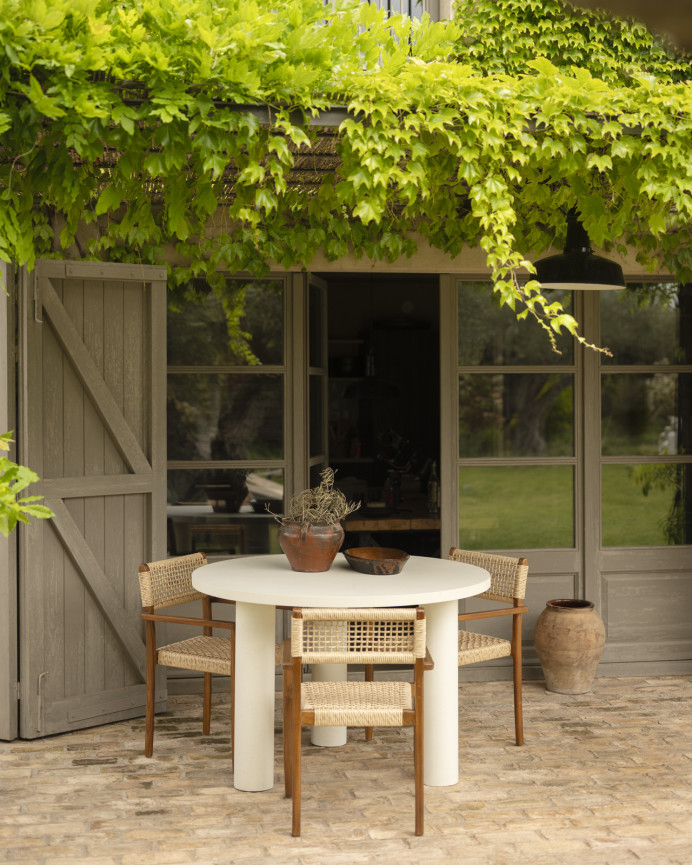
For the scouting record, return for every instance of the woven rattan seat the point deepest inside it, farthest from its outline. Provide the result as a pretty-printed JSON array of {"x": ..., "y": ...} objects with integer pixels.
[
  {"x": 168, "y": 583},
  {"x": 356, "y": 704},
  {"x": 206, "y": 654},
  {"x": 508, "y": 578},
  {"x": 335, "y": 636},
  {"x": 475, "y": 647}
]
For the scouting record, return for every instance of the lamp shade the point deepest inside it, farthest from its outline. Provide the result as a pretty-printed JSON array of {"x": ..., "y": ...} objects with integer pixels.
[{"x": 577, "y": 268}]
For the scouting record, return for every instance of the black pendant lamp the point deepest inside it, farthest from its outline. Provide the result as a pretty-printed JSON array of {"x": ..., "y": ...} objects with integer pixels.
[{"x": 577, "y": 267}]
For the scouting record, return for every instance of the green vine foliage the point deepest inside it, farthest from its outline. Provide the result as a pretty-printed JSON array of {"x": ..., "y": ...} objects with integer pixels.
[
  {"x": 13, "y": 479},
  {"x": 128, "y": 118}
]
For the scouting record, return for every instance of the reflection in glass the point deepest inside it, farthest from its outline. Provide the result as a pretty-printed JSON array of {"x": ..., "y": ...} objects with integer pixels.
[
  {"x": 316, "y": 415},
  {"x": 644, "y": 413},
  {"x": 490, "y": 334},
  {"x": 494, "y": 511},
  {"x": 646, "y": 505},
  {"x": 239, "y": 323},
  {"x": 516, "y": 414},
  {"x": 222, "y": 511},
  {"x": 647, "y": 323},
  {"x": 225, "y": 417},
  {"x": 316, "y": 327}
]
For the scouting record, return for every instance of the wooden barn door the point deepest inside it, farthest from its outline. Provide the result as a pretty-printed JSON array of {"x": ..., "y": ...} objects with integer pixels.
[{"x": 92, "y": 425}]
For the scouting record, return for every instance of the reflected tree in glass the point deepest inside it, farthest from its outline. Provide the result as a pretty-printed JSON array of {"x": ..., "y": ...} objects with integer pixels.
[
  {"x": 648, "y": 323},
  {"x": 491, "y": 334},
  {"x": 648, "y": 504},
  {"x": 223, "y": 417},
  {"x": 516, "y": 414}
]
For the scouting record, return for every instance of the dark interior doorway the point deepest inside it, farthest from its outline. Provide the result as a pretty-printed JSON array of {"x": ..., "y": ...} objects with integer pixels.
[{"x": 384, "y": 405}]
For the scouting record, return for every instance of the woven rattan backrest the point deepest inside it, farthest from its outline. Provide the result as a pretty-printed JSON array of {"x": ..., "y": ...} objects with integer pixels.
[
  {"x": 370, "y": 636},
  {"x": 507, "y": 575},
  {"x": 169, "y": 582}
]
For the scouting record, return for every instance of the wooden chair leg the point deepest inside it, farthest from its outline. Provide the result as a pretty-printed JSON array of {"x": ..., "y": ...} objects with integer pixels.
[
  {"x": 418, "y": 770},
  {"x": 288, "y": 730},
  {"x": 518, "y": 705},
  {"x": 295, "y": 762},
  {"x": 369, "y": 677},
  {"x": 150, "y": 689},
  {"x": 206, "y": 708},
  {"x": 233, "y": 700}
]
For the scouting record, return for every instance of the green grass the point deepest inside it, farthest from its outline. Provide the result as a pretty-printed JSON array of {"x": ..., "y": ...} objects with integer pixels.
[
  {"x": 516, "y": 507},
  {"x": 525, "y": 507},
  {"x": 630, "y": 518}
]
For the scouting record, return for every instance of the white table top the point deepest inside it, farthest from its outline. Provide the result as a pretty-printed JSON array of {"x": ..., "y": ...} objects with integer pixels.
[{"x": 270, "y": 580}]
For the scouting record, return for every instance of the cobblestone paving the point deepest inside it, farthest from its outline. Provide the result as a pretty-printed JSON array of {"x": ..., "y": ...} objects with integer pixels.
[{"x": 605, "y": 778}]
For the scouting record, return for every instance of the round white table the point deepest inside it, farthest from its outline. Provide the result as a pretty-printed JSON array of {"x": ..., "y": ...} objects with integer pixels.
[{"x": 259, "y": 584}]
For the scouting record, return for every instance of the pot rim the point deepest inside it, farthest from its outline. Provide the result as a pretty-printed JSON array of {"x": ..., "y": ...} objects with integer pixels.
[{"x": 567, "y": 604}]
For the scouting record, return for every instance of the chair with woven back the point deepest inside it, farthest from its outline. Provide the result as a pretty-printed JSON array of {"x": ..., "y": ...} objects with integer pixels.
[
  {"x": 168, "y": 583},
  {"x": 508, "y": 578},
  {"x": 353, "y": 636}
]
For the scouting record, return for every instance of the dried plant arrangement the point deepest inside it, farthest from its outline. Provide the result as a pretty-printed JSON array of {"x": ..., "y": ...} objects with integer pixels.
[{"x": 320, "y": 506}]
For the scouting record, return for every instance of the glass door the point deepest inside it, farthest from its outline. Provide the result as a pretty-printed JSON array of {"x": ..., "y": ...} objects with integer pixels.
[
  {"x": 641, "y": 478},
  {"x": 318, "y": 380},
  {"x": 227, "y": 394},
  {"x": 512, "y": 421}
]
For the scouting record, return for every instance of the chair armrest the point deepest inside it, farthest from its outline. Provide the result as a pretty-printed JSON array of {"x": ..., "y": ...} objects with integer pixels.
[
  {"x": 491, "y": 614},
  {"x": 215, "y": 600},
  {"x": 428, "y": 663},
  {"x": 186, "y": 620}
]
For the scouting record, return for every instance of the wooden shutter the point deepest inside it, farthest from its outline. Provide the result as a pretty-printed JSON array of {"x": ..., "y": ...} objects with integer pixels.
[{"x": 92, "y": 425}]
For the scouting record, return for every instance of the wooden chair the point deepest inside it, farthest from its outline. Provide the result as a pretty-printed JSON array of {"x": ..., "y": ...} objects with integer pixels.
[
  {"x": 507, "y": 585},
  {"x": 343, "y": 636},
  {"x": 168, "y": 583}
]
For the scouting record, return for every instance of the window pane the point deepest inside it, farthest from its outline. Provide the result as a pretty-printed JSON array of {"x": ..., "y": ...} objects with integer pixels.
[
  {"x": 315, "y": 326},
  {"x": 645, "y": 413},
  {"x": 238, "y": 323},
  {"x": 649, "y": 323},
  {"x": 222, "y": 511},
  {"x": 516, "y": 507},
  {"x": 316, "y": 415},
  {"x": 646, "y": 505},
  {"x": 225, "y": 417},
  {"x": 516, "y": 414},
  {"x": 490, "y": 334}
]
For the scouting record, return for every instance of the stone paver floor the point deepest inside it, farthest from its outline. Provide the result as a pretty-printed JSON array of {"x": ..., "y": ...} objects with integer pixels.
[{"x": 604, "y": 778}]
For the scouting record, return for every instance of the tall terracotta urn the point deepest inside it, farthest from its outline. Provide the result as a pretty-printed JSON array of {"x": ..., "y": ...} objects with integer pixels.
[
  {"x": 569, "y": 640},
  {"x": 310, "y": 548}
]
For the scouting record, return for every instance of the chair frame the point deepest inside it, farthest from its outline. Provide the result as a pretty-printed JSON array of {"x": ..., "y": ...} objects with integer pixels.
[
  {"x": 295, "y": 717},
  {"x": 207, "y": 623},
  {"x": 517, "y": 610}
]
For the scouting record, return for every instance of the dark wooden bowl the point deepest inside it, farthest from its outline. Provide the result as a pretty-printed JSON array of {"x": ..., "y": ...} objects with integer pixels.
[{"x": 376, "y": 560}]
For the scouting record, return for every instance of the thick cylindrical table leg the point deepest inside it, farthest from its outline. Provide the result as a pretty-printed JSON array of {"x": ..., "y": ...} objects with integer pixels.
[
  {"x": 329, "y": 737},
  {"x": 441, "y": 715},
  {"x": 254, "y": 690}
]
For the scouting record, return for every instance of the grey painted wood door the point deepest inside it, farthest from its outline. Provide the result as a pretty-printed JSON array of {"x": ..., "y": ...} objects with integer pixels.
[{"x": 92, "y": 425}]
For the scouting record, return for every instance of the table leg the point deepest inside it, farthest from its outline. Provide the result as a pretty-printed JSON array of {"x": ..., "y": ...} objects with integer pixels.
[
  {"x": 255, "y": 691},
  {"x": 329, "y": 737},
  {"x": 441, "y": 715}
]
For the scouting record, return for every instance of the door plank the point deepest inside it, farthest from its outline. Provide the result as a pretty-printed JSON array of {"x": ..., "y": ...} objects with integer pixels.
[
  {"x": 98, "y": 583},
  {"x": 85, "y": 486},
  {"x": 93, "y": 382}
]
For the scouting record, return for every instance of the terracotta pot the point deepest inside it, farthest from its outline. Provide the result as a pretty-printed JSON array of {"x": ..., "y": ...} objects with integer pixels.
[
  {"x": 569, "y": 640},
  {"x": 310, "y": 548}
]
